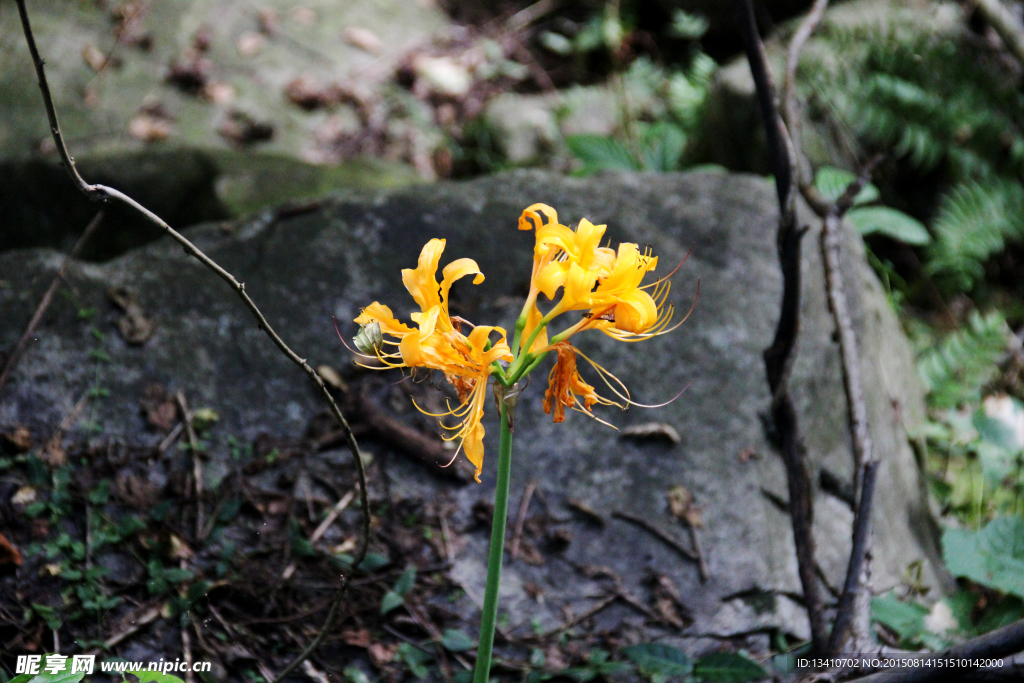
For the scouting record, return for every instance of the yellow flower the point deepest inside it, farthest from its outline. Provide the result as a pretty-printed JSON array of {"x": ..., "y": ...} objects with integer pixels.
[
  {"x": 570, "y": 268},
  {"x": 606, "y": 284},
  {"x": 438, "y": 343}
]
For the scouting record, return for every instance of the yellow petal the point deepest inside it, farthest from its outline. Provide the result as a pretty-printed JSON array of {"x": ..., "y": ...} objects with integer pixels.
[
  {"x": 533, "y": 216},
  {"x": 578, "y": 288},
  {"x": 422, "y": 281},
  {"x": 550, "y": 277},
  {"x": 635, "y": 312},
  {"x": 533, "y": 318},
  {"x": 428, "y": 321},
  {"x": 457, "y": 269},
  {"x": 378, "y": 312}
]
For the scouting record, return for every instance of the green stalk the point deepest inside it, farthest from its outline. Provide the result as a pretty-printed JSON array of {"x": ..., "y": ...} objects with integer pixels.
[{"x": 483, "y": 657}]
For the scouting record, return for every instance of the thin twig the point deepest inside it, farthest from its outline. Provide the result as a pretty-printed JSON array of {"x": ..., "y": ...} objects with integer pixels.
[
  {"x": 44, "y": 303},
  {"x": 524, "y": 506},
  {"x": 790, "y": 110},
  {"x": 664, "y": 536},
  {"x": 322, "y": 528},
  {"x": 197, "y": 464},
  {"x": 186, "y": 639},
  {"x": 135, "y": 621},
  {"x": 702, "y": 564},
  {"x": 779, "y": 356},
  {"x": 103, "y": 193}
]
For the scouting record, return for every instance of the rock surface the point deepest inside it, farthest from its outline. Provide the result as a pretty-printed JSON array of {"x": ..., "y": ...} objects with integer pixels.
[{"x": 329, "y": 262}]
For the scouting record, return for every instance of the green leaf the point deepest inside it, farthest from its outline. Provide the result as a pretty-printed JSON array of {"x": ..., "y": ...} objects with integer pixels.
[
  {"x": 22, "y": 678},
  {"x": 416, "y": 659},
  {"x": 832, "y": 182},
  {"x": 455, "y": 640},
  {"x": 688, "y": 26},
  {"x": 355, "y": 675},
  {"x": 175, "y": 575},
  {"x": 659, "y": 661},
  {"x": 992, "y": 556},
  {"x": 391, "y": 601},
  {"x": 906, "y": 619},
  {"x": 601, "y": 153},
  {"x": 406, "y": 580},
  {"x": 662, "y": 146},
  {"x": 155, "y": 677},
  {"x": 728, "y": 667},
  {"x": 891, "y": 223}
]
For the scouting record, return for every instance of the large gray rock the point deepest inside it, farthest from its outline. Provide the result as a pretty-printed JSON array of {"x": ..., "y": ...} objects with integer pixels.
[{"x": 330, "y": 262}]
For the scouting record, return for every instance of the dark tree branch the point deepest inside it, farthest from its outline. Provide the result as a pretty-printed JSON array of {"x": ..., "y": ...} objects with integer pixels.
[
  {"x": 779, "y": 356},
  {"x": 843, "y": 624},
  {"x": 103, "y": 193},
  {"x": 44, "y": 303},
  {"x": 996, "y": 644}
]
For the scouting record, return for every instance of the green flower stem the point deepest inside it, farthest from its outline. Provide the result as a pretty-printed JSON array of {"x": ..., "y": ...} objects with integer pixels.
[{"x": 483, "y": 657}]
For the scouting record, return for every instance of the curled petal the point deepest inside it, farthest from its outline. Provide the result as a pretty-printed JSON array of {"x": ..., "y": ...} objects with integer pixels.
[
  {"x": 422, "y": 281},
  {"x": 457, "y": 269}
]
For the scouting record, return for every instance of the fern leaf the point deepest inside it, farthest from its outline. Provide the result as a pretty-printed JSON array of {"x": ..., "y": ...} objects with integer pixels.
[
  {"x": 974, "y": 222},
  {"x": 956, "y": 370}
]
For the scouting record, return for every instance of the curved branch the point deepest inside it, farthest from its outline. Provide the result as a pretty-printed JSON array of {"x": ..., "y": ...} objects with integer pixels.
[{"x": 103, "y": 193}]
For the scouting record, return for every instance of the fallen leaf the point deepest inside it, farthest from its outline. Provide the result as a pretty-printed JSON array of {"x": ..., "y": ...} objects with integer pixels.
[
  {"x": 94, "y": 57},
  {"x": 651, "y": 431},
  {"x": 8, "y": 553},
  {"x": 680, "y": 502},
  {"x": 381, "y": 655},
  {"x": 307, "y": 93},
  {"x": 219, "y": 92},
  {"x": 364, "y": 39},
  {"x": 134, "y": 326},
  {"x": 177, "y": 548},
  {"x": 149, "y": 128},
  {"x": 667, "y": 603},
  {"x": 24, "y": 496},
  {"x": 357, "y": 638},
  {"x": 18, "y": 440},
  {"x": 242, "y": 129},
  {"x": 51, "y": 569},
  {"x": 529, "y": 554},
  {"x": 251, "y": 43},
  {"x": 587, "y": 511},
  {"x": 269, "y": 21}
]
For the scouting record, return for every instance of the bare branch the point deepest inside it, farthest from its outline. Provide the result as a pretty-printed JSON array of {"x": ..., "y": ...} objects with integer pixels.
[
  {"x": 103, "y": 193},
  {"x": 844, "y": 623},
  {"x": 44, "y": 303},
  {"x": 790, "y": 110},
  {"x": 778, "y": 357},
  {"x": 1005, "y": 24},
  {"x": 996, "y": 644}
]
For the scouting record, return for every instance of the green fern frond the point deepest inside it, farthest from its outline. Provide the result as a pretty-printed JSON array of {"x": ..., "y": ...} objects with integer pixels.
[
  {"x": 974, "y": 222},
  {"x": 957, "y": 369}
]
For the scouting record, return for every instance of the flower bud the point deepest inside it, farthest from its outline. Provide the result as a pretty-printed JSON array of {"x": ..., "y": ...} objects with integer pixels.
[{"x": 369, "y": 340}]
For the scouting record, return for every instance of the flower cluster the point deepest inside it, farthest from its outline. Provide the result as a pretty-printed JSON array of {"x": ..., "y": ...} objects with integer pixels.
[{"x": 570, "y": 269}]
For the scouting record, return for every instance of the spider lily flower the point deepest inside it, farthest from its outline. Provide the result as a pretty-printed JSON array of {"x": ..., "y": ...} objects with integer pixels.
[
  {"x": 437, "y": 343},
  {"x": 606, "y": 284}
]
